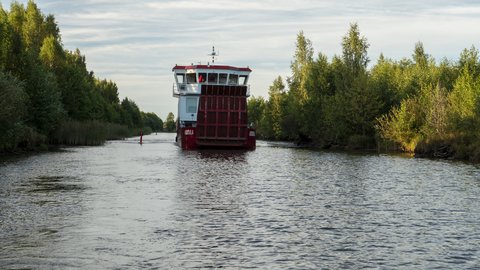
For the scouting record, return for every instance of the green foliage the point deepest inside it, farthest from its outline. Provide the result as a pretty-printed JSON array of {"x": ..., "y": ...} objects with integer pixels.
[
  {"x": 45, "y": 108},
  {"x": 109, "y": 90},
  {"x": 12, "y": 110},
  {"x": 386, "y": 79},
  {"x": 152, "y": 121},
  {"x": 91, "y": 132},
  {"x": 298, "y": 95},
  {"x": 401, "y": 125},
  {"x": 413, "y": 104},
  {"x": 33, "y": 27},
  {"x": 435, "y": 106},
  {"x": 75, "y": 84},
  {"x": 169, "y": 125},
  {"x": 57, "y": 92},
  {"x": 469, "y": 60},
  {"x": 354, "y": 55},
  {"x": 463, "y": 99},
  {"x": 419, "y": 56},
  {"x": 52, "y": 54},
  {"x": 256, "y": 111},
  {"x": 131, "y": 115},
  {"x": 80, "y": 133},
  {"x": 273, "y": 115},
  {"x": 6, "y": 37}
]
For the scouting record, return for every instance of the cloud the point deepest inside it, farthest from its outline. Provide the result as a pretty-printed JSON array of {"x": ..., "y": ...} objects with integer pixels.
[
  {"x": 458, "y": 10},
  {"x": 136, "y": 43}
]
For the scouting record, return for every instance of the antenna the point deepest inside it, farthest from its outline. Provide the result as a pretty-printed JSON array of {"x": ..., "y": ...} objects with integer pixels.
[{"x": 213, "y": 54}]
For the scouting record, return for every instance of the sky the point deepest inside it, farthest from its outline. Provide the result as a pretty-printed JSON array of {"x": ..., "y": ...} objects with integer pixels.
[{"x": 136, "y": 43}]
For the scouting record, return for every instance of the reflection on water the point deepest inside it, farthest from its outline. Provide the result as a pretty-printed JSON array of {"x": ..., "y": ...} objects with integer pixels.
[
  {"x": 126, "y": 205},
  {"x": 49, "y": 184}
]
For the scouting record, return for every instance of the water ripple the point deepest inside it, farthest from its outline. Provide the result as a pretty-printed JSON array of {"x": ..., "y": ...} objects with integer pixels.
[{"x": 125, "y": 205}]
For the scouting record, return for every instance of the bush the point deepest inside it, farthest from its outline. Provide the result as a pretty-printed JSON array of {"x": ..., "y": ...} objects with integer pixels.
[
  {"x": 360, "y": 142},
  {"x": 29, "y": 139}
]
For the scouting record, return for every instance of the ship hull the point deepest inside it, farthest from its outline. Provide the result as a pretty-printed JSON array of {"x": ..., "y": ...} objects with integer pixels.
[{"x": 188, "y": 139}]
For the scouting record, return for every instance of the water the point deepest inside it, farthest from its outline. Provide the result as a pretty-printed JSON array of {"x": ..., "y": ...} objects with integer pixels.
[{"x": 126, "y": 206}]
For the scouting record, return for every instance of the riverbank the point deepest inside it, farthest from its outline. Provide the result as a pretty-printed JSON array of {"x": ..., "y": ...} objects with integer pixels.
[
  {"x": 72, "y": 133},
  {"x": 450, "y": 149},
  {"x": 465, "y": 150}
]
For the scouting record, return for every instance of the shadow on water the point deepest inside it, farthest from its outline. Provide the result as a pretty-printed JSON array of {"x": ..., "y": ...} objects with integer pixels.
[
  {"x": 49, "y": 184},
  {"x": 160, "y": 138},
  {"x": 236, "y": 155}
]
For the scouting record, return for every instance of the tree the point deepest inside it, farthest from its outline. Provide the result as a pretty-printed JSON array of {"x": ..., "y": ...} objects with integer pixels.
[
  {"x": 12, "y": 110},
  {"x": 355, "y": 105},
  {"x": 384, "y": 79},
  {"x": 6, "y": 40},
  {"x": 469, "y": 59},
  {"x": 169, "y": 124},
  {"x": 108, "y": 92},
  {"x": 52, "y": 54},
  {"x": 355, "y": 51},
  {"x": 463, "y": 100},
  {"x": 108, "y": 89},
  {"x": 402, "y": 125},
  {"x": 56, "y": 86},
  {"x": 447, "y": 74},
  {"x": 302, "y": 58},
  {"x": 319, "y": 86},
  {"x": 33, "y": 28},
  {"x": 75, "y": 84},
  {"x": 419, "y": 55},
  {"x": 51, "y": 28},
  {"x": 273, "y": 115},
  {"x": 435, "y": 106},
  {"x": 256, "y": 114},
  {"x": 131, "y": 115},
  {"x": 16, "y": 19},
  {"x": 45, "y": 109},
  {"x": 298, "y": 95},
  {"x": 153, "y": 121}
]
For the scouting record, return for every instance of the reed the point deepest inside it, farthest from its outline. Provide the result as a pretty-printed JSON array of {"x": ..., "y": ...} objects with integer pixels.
[
  {"x": 117, "y": 131},
  {"x": 89, "y": 133}
]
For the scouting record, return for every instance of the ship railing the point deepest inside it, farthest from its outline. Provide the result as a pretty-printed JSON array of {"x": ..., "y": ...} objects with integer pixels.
[
  {"x": 175, "y": 90},
  {"x": 183, "y": 88}
]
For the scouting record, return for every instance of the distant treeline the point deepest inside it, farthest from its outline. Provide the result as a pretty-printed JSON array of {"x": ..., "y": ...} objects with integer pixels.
[
  {"x": 47, "y": 95},
  {"x": 415, "y": 105}
]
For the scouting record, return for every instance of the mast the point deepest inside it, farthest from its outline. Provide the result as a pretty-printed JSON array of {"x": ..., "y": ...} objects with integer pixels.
[{"x": 213, "y": 54}]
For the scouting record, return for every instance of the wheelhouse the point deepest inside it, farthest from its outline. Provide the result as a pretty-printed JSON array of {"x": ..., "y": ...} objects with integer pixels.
[{"x": 188, "y": 79}]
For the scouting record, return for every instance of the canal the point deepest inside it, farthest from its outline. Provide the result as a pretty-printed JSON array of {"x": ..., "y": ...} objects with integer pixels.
[{"x": 129, "y": 206}]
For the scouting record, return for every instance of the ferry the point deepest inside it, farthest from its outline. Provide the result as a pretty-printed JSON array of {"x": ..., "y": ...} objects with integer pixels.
[{"x": 212, "y": 106}]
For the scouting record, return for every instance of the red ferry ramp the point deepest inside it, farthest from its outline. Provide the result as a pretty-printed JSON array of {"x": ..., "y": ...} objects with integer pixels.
[{"x": 222, "y": 118}]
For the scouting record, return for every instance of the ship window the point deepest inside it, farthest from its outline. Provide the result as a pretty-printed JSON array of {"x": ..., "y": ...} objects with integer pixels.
[
  {"x": 233, "y": 79},
  {"x": 212, "y": 77},
  {"x": 242, "y": 79},
  {"x": 191, "y": 78},
  {"x": 180, "y": 78},
  {"x": 191, "y": 105},
  {"x": 223, "y": 78},
  {"x": 202, "y": 77}
]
